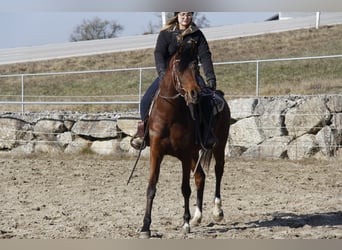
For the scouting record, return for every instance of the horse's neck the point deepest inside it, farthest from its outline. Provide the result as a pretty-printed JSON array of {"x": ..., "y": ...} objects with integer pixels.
[
  {"x": 170, "y": 99},
  {"x": 167, "y": 87}
]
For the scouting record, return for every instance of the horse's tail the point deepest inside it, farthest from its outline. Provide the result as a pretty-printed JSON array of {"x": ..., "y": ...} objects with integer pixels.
[{"x": 206, "y": 159}]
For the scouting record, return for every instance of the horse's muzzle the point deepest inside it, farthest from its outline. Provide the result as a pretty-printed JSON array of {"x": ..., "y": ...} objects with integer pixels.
[{"x": 191, "y": 96}]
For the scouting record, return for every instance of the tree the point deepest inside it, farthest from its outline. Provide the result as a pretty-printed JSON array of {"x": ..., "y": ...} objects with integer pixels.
[
  {"x": 95, "y": 29},
  {"x": 201, "y": 20},
  {"x": 152, "y": 28}
]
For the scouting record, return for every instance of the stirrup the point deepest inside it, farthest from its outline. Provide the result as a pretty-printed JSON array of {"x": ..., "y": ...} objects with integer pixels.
[
  {"x": 138, "y": 143},
  {"x": 138, "y": 140}
]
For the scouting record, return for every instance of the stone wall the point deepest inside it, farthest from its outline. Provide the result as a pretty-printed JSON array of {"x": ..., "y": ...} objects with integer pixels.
[{"x": 293, "y": 127}]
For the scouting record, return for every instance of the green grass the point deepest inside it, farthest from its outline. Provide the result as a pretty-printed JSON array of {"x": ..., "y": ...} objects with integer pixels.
[{"x": 276, "y": 78}]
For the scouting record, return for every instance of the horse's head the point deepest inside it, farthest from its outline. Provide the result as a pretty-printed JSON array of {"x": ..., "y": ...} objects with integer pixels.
[{"x": 185, "y": 71}]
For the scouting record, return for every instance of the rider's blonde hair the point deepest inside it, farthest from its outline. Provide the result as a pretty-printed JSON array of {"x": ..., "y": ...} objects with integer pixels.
[{"x": 172, "y": 25}]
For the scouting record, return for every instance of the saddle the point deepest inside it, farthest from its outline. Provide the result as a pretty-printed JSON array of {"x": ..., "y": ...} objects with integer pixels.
[{"x": 203, "y": 114}]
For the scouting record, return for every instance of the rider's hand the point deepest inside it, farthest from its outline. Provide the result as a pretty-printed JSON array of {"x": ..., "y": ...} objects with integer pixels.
[
  {"x": 211, "y": 84},
  {"x": 161, "y": 74}
]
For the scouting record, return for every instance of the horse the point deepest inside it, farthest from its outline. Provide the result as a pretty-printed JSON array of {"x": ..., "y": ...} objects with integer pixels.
[{"x": 171, "y": 131}]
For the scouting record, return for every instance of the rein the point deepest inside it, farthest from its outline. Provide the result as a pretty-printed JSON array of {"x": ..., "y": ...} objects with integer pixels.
[{"x": 170, "y": 97}]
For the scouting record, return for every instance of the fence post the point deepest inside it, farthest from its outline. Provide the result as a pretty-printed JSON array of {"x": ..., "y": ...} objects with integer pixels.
[
  {"x": 257, "y": 79},
  {"x": 22, "y": 93},
  {"x": 140, "y": 87},
  {"x": 317, "y": 19}
]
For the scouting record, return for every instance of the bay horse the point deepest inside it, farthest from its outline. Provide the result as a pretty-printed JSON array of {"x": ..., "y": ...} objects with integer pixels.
[{"x": 171, "y": 128}]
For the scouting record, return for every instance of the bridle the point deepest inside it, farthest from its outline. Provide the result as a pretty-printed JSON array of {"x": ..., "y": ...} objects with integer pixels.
[{"x": 177, "y": 83}]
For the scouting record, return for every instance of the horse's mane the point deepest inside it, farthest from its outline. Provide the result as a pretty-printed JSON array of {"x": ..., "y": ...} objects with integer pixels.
[{"x": 186, "y": 55}]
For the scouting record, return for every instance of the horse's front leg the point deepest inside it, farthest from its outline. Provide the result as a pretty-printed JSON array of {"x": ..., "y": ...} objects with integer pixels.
[
  {"x": 150, "y": 193},
  {"x": 186, "y": 191},
  {"x": 199, "y": 182}
]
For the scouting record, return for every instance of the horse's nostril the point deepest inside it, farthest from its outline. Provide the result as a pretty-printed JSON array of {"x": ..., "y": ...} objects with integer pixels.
[
  {"x": 191, "y": 96},
  {"x": 194, "y": 94}
]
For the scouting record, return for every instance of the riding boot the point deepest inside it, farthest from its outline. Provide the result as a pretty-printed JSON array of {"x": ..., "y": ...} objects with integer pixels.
[
  {"x": 209, "y": 139},
  {"x": 138, "y": 139}
]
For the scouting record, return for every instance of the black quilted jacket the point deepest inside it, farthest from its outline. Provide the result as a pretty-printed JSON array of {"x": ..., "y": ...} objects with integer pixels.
[{"x": 168, "y": 42}]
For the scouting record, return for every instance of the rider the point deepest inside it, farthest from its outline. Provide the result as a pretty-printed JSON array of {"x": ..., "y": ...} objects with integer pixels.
[{"x": 180, "y": 27}]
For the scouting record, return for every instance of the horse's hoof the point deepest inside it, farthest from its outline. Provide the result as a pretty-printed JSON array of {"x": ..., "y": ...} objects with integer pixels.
[
  {"x": 195, "y": 222},
  {"x": 145, "y": 235},
  {"x": 217, "y": 210},
  {"x": 218, "y": 216},
  {"x": 186, "y": 228}
]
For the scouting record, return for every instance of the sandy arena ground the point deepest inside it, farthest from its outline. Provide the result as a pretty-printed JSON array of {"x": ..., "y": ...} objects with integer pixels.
[{"x": 87, "y": 197}]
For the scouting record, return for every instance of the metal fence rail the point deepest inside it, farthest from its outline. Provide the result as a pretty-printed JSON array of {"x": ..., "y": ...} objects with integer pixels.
[
  {"x": 259, "y": 61},
  {"x": 23, "y": 76},
  {"x": 24, "y": 102}
]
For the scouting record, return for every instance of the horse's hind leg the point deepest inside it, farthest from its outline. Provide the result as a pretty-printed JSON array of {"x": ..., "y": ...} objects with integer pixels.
[{"x": 219, "y": 165}]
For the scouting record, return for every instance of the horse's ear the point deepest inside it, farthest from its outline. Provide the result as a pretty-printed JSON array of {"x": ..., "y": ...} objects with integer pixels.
[
  {"x": 187, "y": 45},
  {"x": 190, "y": 42},
  {"x": 182, "y": 46}
]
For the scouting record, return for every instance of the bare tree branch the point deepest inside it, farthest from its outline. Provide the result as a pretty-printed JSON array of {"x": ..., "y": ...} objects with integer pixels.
[{"x": 95, "y": 29}]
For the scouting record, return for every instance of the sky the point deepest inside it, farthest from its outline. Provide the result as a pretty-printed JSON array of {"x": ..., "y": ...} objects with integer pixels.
[
  {"x": 25, "y": 23},
  {"x": 34, "y": 28}
]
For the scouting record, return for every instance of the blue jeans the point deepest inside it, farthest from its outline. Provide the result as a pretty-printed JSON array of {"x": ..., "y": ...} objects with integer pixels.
[{"x": 147, "y": 98}]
